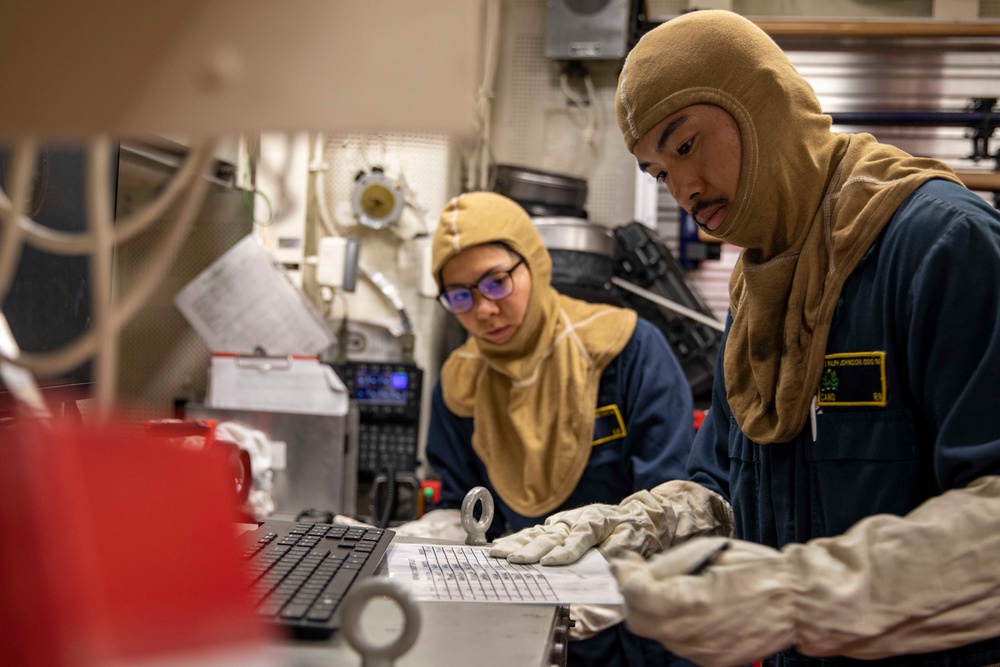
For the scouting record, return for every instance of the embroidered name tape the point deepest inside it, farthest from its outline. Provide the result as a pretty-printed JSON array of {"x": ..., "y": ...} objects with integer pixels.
[
  {"x": 853, "y": 379},
  {"x": 608, "y": 424}
]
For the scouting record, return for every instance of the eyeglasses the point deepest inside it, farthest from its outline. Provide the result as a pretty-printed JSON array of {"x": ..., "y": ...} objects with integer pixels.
[{"x": 496, "y": 286}]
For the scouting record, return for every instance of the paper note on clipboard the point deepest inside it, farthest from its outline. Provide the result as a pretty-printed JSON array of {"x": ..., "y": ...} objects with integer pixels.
[
  {"x": 244, "y": 302},
  {"x": 298, "y": 384}
]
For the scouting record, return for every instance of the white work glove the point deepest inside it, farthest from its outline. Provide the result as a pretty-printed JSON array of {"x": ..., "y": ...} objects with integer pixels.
[
  {"x": 437, "y": 524},
  {"x": 738, "y": 610},
  {"x": 644, "y": 522},
  {"x": 444, "y": 524},
  {"x": 927, "y": 581},
  {"x": 259, "y": 502},
  {"x": 344, "y": 520},
  {"x": 590, "y": 619}
]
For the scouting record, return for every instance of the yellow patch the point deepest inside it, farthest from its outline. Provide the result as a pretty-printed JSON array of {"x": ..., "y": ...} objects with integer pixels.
[
  {"x": 853, "y": 379},
  {"x": 608, "y": 424}
]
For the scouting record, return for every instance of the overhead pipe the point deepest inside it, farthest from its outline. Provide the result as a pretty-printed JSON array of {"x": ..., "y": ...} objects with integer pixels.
[
  {"x": 877, "y": 28},
  {"x": 982, "y": 119},
  {"x": 918, "y": 118},
  {"x": 980, "y": 181}
]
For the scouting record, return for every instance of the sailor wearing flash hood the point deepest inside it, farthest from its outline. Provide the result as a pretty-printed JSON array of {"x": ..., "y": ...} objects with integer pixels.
[{"x": 849, "y": 429}]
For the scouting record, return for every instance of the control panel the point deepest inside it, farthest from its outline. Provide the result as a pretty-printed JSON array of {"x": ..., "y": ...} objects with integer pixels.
[{"x": 388, "y": 398}]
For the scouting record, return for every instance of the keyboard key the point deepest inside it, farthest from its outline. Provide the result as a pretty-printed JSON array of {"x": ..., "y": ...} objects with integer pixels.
[
  {"x": 294, "y": 611},
  {"x": 320, "y": 613},
  {"x": 342, "y": 581}
]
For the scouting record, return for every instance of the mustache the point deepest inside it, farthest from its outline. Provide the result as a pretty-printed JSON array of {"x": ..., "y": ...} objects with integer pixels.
[{"x": 711, "y": 203}]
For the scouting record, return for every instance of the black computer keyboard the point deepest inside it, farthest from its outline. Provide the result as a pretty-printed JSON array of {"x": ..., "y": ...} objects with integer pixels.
[{"x": 301, "y": 572}]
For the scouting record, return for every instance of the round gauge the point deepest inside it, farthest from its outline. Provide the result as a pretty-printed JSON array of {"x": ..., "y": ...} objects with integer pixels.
[{"x": 377, "y": 201}]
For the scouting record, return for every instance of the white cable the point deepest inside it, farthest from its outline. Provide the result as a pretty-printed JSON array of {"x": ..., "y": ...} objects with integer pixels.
[
  {"x": 319, "y": 169},
  {"x": 383, "y": 284},
  {"x": 170, "y": 245},
  {"x": 362, "y": 149},
  {"x": 579, "y": 103},
  {"x": 101, "y": 340},
  {"x": 589, "y": 152},
  {"x": 18, "y": 380},
  {"x": 480, "y": 156},
  {"x": 194, "y": 166},
  {"x": 595, "y": 119},
  {"x": 389, "y": 291},
  {"x": 383, "y": 149},
  {"x": 74, "y": 353},
  {"x": 100, "y": 224},
  {"x": 22, "y": 172},
  {"x": 410, "y": 199},
  {"x": 249, "y": 186},
  {"x": 77, "y": 243},
  {"x": 668, "y": 304},
  {"x": 281, "y": 201},
  {"x": 493, "y": 37},
  {"x": 343, "y": 303},
  {"x": 60, "y": 360},
  {"x": 577, "y": 107}
]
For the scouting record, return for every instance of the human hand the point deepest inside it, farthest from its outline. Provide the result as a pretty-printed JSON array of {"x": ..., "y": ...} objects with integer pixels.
[
  {"x": 591, "y": 619},
  {"x": 736, "y": 610},
  {"x": 443, "y": 524},
  {"x": 644, "y": 523},
  {"x": 344, "y": 520},
  {"x": 566, "y": 536}
]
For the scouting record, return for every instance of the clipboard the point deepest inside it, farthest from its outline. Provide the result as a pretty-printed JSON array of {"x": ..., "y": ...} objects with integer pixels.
[
  {"x": 245, "y": 300},
  {"x": 298, "y": 384}
]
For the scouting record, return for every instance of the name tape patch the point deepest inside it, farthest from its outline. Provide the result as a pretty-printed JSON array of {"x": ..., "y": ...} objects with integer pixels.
[
  {"x": 608, "y": 424},
  {"x": 853, "y": 379}
]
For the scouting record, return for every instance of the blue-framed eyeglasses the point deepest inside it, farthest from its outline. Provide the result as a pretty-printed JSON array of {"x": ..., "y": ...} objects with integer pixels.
[{"x": 496, "y": 286}]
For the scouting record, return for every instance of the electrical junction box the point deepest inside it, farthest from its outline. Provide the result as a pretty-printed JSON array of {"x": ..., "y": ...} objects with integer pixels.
[{"x": 586, "y": 29}]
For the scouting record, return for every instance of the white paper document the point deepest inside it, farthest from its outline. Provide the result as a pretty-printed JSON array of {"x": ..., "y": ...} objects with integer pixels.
[
  {"x": 468, "y": 574},
  {"x": 243, "y": 301},
  {"x": 301, "y": 385}
]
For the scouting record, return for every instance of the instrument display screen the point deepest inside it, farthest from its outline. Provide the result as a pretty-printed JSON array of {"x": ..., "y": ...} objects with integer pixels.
[{"x": 381, "y": 386}]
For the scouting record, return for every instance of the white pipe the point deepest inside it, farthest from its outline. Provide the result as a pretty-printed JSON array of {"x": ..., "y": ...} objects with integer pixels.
[
  {"x": 669, "y": 305},
  {"x": 100, "y": 224},
  {"x": 22, "y": 171}
]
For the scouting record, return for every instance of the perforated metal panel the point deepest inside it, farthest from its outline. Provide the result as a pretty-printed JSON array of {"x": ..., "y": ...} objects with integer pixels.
[
  {"x": 161, "y": 356},
  {"x": 536, "y": 126},
  {"x": 429, "y": 165}
]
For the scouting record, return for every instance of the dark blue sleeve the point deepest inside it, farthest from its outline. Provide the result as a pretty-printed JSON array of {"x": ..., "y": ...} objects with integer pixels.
[
  {"x": 952, "y": 330},
  {"x": 450, "y": 454},
  {"x": 709, "y": 461},
  {"x": 659, "y": 411}
]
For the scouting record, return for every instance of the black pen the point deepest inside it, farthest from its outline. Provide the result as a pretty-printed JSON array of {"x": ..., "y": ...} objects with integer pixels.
[{"x": 709, "y": 559}]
